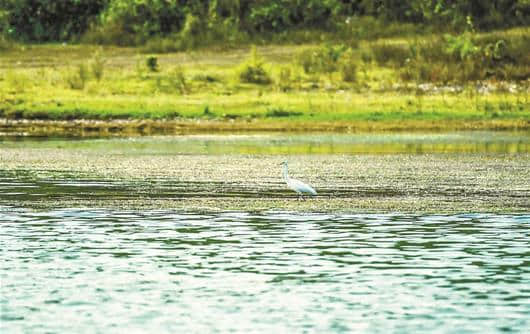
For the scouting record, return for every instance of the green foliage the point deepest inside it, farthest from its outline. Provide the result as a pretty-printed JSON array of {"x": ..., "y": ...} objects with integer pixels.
[
  {"x": 189, "y": 36},
  {"x": 469, "y": 57},
  {"x": 186, "y": 24},
  {"x": 281, "y": 112},
  {"x": 461, "y": 46},
  {"x": 279, "y": 15},
  {"x": 329, "y": 59},
  {"x": 447, "y": 13},
  {"x": 253, "y": 70},
  {"x": 144, "y": 18},
  {"x": 324, "y": 59},
  {"x": 42, "y": 20},
  {"x": 152, "y": 63}
]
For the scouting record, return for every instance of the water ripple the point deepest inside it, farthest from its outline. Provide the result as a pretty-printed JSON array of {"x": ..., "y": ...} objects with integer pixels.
[{"x": 163, "y": 270}]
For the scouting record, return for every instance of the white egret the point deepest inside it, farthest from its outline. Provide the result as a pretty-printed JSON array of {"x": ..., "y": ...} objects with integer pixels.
[{"x": 298, "y": 186}]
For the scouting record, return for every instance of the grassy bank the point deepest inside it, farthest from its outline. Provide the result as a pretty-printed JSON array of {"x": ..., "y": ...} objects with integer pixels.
[{"x": 372, "y": 85}]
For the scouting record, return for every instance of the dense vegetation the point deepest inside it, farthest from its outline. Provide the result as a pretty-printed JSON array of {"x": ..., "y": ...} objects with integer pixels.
[
  {"x": 346, "y": 61},
  {"x": 321, "y": 87},
  {"x": 137, "y": 21}
]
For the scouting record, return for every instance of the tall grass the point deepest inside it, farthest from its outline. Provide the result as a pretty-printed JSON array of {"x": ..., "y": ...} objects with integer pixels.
[
  {"x": 97, "y": 65},
  {"x": 458, "y": 58},
  {"x": 78, "y": 77}
]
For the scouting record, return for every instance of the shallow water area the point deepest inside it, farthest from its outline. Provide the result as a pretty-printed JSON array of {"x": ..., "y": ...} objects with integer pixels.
[
  {"x": 99, "y": 270},
  {"x": 381, "y": 172},
  {"x": 408, "y": 233}
]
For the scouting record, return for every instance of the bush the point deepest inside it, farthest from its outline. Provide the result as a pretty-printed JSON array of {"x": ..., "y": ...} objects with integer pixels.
[
  {"x": 41, "y": 20},
  {"x": 469, "y": 57},
  {"x": 280, "y": 112},
  {"x": 279, "y": 15},
  {"x": 324, "y": 59},
  {"x": 144, "y": 18},
  {"x": 152, "y": 63},
  {"x": 330, "y": 59},
  {"x": 253, "y": 70},
  {"x": 177, "y": 80}
]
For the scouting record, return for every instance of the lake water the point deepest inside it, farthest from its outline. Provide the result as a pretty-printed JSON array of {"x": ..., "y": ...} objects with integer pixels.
[
  {"x": 109, "y": 266},
  {"x": 104, "y": 271}
]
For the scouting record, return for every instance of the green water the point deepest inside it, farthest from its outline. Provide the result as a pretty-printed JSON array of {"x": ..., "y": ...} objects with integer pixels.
[
  {"x": 109, "y": 266},
  {"x": 107, "y": 271}
]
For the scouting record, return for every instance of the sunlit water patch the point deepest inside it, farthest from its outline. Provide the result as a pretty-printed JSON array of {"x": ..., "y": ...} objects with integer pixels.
[{"x": 110, "y": 271}]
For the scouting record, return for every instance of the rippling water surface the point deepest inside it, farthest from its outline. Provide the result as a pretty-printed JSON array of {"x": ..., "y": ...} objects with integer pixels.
[
  {"x": 104, "y": 271},
  {"x": 79, "y": 254}
]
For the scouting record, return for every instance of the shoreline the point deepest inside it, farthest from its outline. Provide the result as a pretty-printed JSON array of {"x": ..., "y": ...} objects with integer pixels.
[{"x": 141, "y": 127}]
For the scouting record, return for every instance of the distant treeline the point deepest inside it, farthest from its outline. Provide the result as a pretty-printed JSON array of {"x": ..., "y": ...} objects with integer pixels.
[{"x": 135, "y": 21}]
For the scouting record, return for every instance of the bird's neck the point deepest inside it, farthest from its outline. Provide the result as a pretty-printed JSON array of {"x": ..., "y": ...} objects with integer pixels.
[{"x": 285, "y": 173}]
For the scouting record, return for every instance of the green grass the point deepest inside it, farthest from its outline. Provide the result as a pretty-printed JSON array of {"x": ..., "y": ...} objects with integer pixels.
[{"x": 367, "y": 83}]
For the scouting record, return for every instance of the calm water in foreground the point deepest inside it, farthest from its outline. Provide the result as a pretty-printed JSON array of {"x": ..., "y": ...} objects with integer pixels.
[
  {"x": 101, "y": 271},
  {"x": 117, "y": 268}
]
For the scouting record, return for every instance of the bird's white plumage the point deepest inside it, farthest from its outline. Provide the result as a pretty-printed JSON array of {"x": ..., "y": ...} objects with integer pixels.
[{"x": 296, "y": 185}]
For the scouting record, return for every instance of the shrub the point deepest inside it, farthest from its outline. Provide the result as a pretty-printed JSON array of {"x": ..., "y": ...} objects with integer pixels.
[
  {"x": 461, "y": 47},
  {"x": 177, "y": 80},
  {"x": 283, "y": 14},
  {"x": 173, "y": 82},
  {"x": 253, "y": 70},
  {"x": 152, "y": 63},
  {"x": 144, "y": 18},
  {"x": 469, "y": 57},
  {"x": 324, "y": 59},
  {"x": 50, "y": 20},
  {"x": 280, "y": 112}
]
